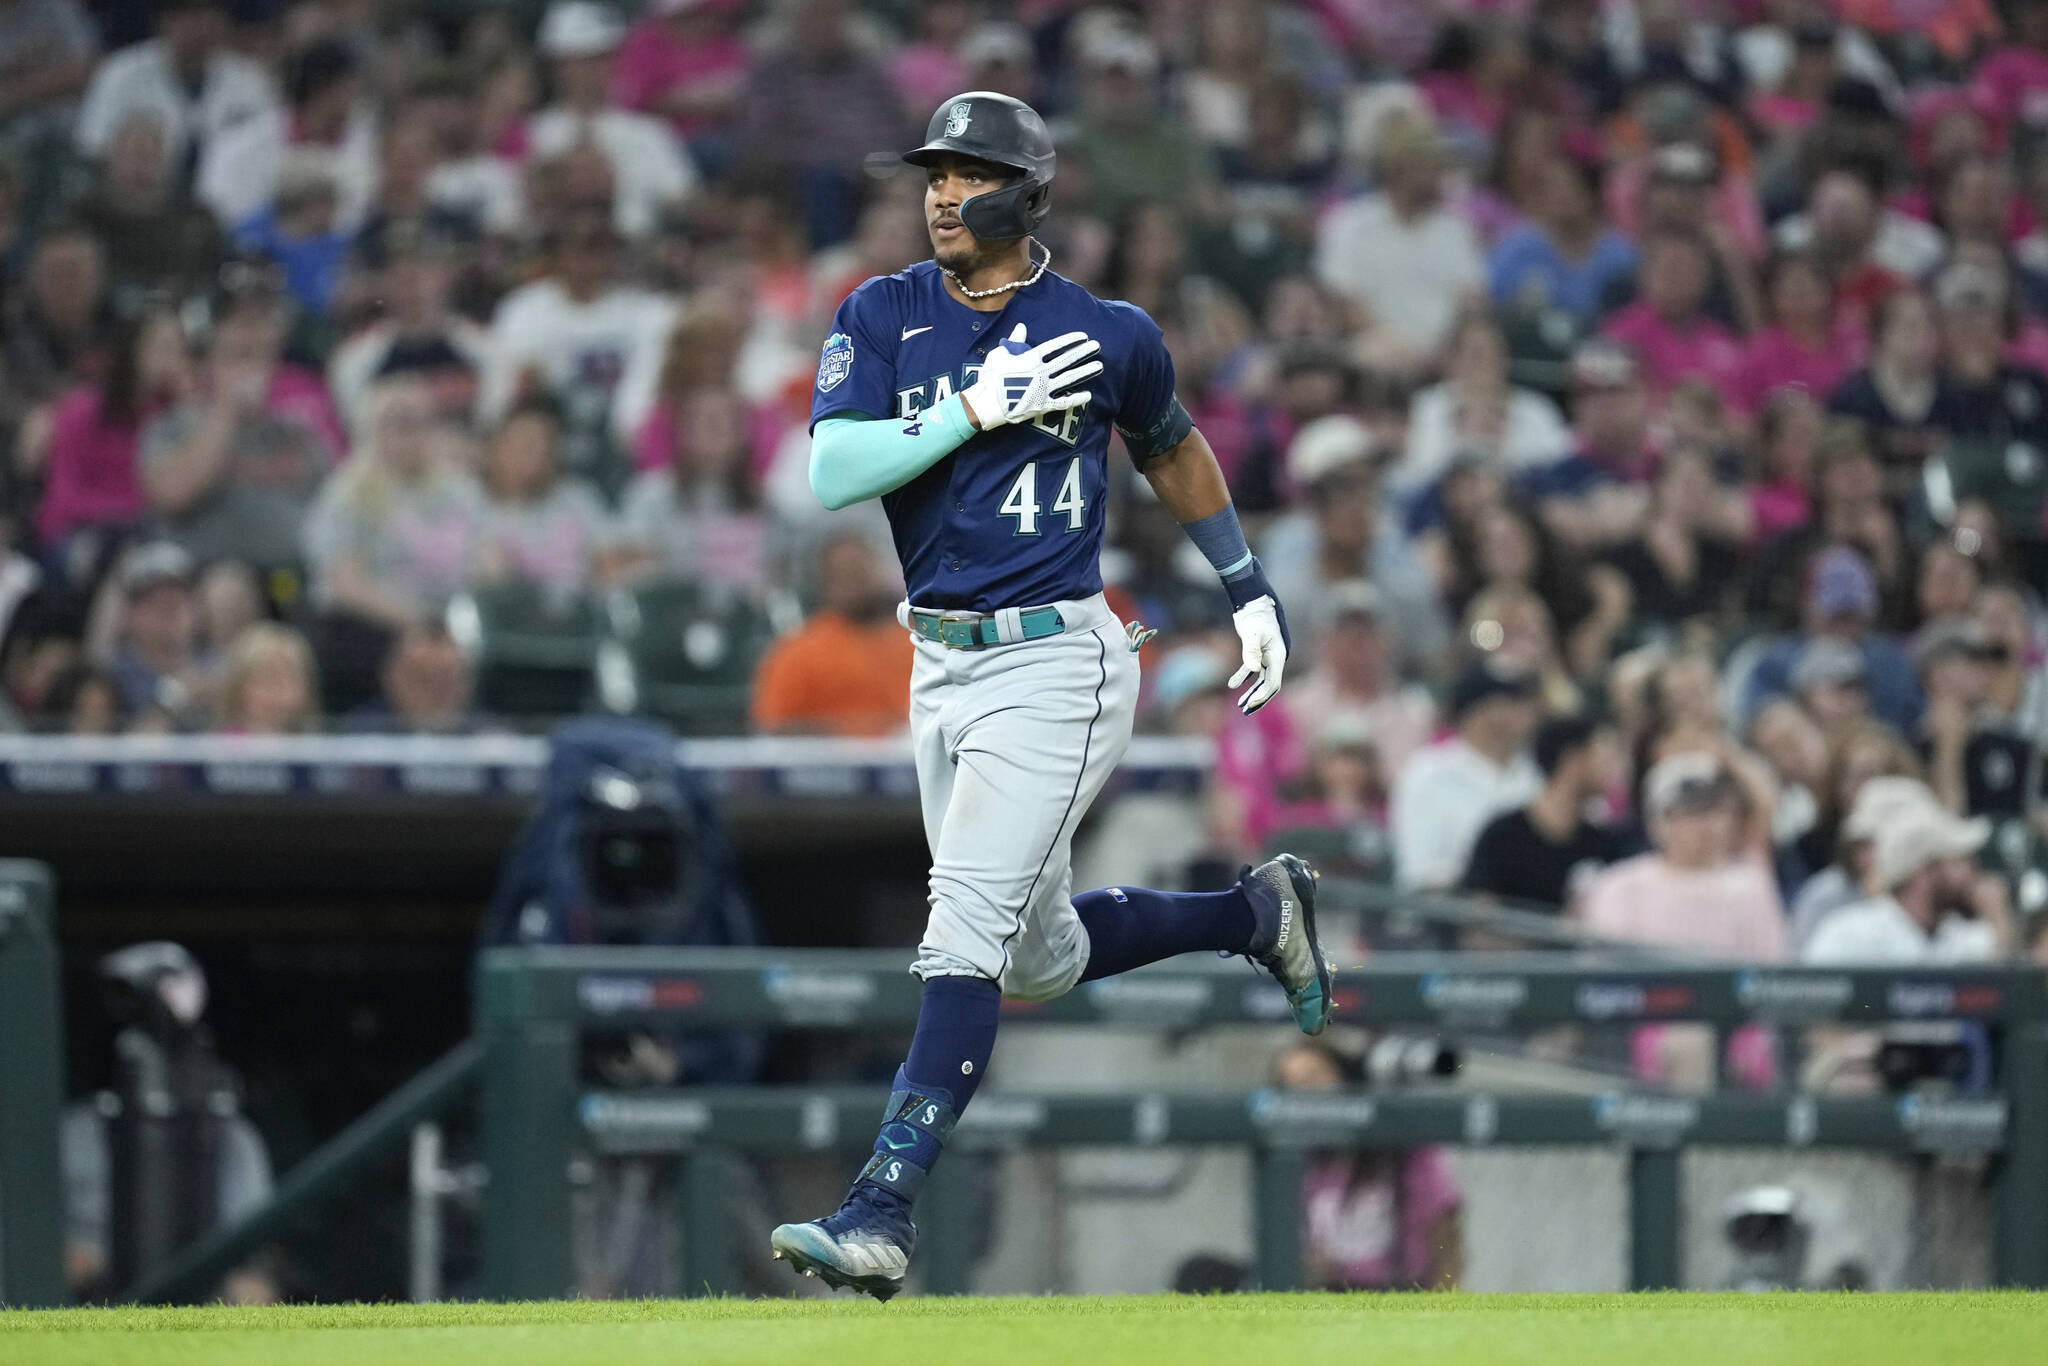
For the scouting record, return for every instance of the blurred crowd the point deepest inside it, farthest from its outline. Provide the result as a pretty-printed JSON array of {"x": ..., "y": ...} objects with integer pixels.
[{"x": 1638, "y": 404}]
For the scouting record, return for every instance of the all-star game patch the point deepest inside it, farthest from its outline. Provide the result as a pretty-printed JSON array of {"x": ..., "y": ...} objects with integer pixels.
[{"x": 835, "y": 362}]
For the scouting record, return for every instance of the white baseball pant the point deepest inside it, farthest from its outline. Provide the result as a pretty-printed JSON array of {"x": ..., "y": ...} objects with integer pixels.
[{"x": 1013, "y": 743}]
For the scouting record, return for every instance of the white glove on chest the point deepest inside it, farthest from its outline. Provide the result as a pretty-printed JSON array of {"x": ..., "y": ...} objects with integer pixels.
[{"x": 1019, "y": 382}]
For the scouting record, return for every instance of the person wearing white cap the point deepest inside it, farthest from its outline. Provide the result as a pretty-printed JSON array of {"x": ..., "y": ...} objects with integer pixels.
[
  {"x": 1706, "y": 886},
  {"x": 1929, "y": 903},
  {"x": 1345, "y": 532},
  {"x": 155, "y": 662},
  {"x": 1840, "y": 884},
  {"x": 650, "y": 168}
]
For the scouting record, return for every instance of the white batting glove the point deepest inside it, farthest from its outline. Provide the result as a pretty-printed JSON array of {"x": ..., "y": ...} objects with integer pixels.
[
  {"x": 1265, "y": 652},
  {"x": 1018, "y": 382}
]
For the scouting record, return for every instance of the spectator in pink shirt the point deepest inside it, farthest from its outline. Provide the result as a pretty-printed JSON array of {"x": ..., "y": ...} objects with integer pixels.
[
  {"x": 2013, "y": 81},
  {"x": 1342, "y": 791},
  {"x": 1805, "y": 346},
  {"x": 1255, "y": 756},
  {"x": 1786, "y": 112},
  {"x": 1705, "y": 888},
  {"x": 1788, "y": 427},
  {"x": 1478, "y": 72},
  {"x": 684, "y": 62},
  {"x": 929, "y": 68},
  {"x": 1373, "y": 1220},
  {"x": 703, "y": 353},
  {"x": 91, "y": 479},
  {"x": 1667, "y": 328},
  {"x": 1357, "y": 674},
  {"x": 1686, "y": 155}
]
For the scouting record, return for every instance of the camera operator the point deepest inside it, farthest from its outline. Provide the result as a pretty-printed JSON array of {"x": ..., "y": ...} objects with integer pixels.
[{"x": 166, "y": 1155}]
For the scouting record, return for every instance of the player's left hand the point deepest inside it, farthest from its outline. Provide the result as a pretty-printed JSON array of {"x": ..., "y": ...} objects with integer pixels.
[{"x": 1265, "y": 651}]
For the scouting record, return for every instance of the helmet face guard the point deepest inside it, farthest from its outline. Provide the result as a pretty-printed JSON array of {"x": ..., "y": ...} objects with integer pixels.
[
  {"x": 1002, "y": 131},
  {"x": 1012, "y": 211}
]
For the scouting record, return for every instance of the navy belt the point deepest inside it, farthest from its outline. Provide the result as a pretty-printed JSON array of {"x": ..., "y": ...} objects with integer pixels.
[{"x": 980, "y": 632}]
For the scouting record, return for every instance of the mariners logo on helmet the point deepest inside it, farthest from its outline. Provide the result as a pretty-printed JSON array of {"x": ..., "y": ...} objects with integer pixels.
[{"x": 957, "y": 118}]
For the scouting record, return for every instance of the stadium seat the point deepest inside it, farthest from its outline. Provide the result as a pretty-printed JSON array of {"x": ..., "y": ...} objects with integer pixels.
[
  {"x": 2012, "y": 476},
  {"x": 689, "y": 653},
  {"x": 536, "y": 653},
  {"x": 1540, "y": 342}
]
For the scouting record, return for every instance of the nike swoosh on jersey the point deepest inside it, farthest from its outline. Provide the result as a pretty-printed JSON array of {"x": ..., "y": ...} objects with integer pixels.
[{"x": 910, "y": 332}]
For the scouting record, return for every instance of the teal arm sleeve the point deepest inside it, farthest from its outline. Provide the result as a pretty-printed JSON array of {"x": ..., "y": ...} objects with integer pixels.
[{"x": 854, "y": 459}]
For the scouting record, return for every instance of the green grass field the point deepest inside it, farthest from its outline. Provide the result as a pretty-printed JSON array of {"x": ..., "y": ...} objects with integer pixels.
[{"x": 1286, "y": 1330}]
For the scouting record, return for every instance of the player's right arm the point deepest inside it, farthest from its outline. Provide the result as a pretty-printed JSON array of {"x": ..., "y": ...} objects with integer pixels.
[{"x": 855, "y": 456}]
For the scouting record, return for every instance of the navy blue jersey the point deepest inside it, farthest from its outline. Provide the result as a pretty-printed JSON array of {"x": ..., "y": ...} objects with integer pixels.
[{"x": 1013, "y": 518}]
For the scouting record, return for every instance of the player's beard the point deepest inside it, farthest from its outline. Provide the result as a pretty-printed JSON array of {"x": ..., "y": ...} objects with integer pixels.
[{"x": 965, "y": 260}]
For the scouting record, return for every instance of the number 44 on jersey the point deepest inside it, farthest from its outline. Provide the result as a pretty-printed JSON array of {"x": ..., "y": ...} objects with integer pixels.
[{"x": 1021, "y": 502}]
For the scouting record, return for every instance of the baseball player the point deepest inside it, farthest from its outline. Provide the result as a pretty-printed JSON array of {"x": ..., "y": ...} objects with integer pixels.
[{"x": 974, "y": 395}]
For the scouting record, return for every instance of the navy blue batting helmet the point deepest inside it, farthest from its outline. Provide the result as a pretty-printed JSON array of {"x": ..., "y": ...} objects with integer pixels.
[{"x": 1004, "y": 132}]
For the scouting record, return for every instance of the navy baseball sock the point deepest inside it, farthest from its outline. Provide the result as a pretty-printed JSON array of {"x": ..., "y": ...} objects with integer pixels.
[
  {"x": 1129, "y": 927},
  {"x": 956, "y": 1031}
]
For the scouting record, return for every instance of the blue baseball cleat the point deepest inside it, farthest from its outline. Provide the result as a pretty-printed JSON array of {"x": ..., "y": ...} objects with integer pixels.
[
  {"x": 1283, "y": 896},
  {"x": 866, "y": 1246}
]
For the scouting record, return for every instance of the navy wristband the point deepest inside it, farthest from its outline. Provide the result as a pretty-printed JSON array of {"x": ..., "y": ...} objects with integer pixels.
[
  {"x": 1221, "y": 541},
  {"x": 1250, "y": 584}
]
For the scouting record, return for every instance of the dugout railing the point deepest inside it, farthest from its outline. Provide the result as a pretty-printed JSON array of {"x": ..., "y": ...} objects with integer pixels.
[
  {"x": 538, "y": 1119},
  {"x": 539, "y": 1123}
]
